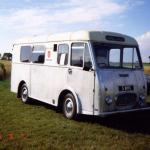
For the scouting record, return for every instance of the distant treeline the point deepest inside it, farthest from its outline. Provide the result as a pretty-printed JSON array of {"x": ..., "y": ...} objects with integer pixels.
[
  {"x": 6, "y": 56},
  {"x": 146, "y": 64}
]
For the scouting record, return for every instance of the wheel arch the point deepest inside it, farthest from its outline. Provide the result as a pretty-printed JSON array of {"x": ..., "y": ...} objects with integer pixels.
[
  {"x": 19, "y": 88},
  {"x": 66, "y": 91}
]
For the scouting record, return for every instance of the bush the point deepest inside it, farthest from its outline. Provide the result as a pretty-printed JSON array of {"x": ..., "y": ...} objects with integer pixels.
[
  {"x": 2, "y": 71},
  {"x": 7, "y": 56}
]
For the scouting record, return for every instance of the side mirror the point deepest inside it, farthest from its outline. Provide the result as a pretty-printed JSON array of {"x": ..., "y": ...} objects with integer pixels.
[{"x": 87, "y": 66}]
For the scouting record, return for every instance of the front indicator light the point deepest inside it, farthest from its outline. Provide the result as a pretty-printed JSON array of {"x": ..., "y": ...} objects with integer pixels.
[{"x": 108, "y": 100}]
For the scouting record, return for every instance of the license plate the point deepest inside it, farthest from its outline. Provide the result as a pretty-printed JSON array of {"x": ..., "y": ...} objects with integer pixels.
[{"x": 126, "y": 88}]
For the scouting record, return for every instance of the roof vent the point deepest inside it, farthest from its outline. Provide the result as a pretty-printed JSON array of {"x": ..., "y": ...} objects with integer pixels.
[{"x": 114, "y": 38}]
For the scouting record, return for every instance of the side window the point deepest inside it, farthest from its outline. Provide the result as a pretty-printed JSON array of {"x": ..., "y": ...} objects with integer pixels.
[
  {"x": 77, "y": 54},
  {"x": 25, "y": 53},
  {"x": 62, "y": 57},
  {"x": 87, "y": 58},
  {"x": 101, "y": 54},
  {"x": 38, "y": 54}
]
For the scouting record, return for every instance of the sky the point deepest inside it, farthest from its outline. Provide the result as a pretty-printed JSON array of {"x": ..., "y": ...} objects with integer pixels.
[{"x": 22, "y": 18}]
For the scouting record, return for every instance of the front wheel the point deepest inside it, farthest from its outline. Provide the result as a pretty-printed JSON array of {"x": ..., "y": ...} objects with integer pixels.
[
  {"x": 69, "y": 106},
  {"x": 24, "y": 93}
]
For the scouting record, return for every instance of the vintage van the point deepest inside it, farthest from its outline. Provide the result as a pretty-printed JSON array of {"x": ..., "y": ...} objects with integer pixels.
[{"x": 84, "y": 72}]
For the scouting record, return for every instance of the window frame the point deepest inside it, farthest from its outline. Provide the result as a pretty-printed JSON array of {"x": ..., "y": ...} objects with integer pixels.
[
  {"x": 121, "y": 57},
  {"x": 71, "y": 54},
  {"x": 38, "y": 51},
  {"x": 30, "y": 54},
  {"x": 90, "y": 53},
  {"x": 58, "y": 45},
  {"x": 134, "y": 49}
]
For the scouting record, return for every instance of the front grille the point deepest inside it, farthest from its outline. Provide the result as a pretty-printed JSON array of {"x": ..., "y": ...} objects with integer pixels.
[{"x": 127, "y": 99}]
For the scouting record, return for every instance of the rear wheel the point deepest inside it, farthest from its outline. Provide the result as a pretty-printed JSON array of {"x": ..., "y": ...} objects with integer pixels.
[
  {"x": 69, "y": 106},
  {"x": 24, "y": 93}
]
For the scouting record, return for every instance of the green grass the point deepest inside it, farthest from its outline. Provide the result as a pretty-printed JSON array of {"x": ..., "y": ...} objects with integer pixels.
[{"x": 38, "y": 126}]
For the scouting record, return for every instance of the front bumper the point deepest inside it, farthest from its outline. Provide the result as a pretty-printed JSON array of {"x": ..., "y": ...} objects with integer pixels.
[{"x": 104, "y": 114}]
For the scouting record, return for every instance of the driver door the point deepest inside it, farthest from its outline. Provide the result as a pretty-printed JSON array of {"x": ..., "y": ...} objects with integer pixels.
[{"x": 81, "y": 76}]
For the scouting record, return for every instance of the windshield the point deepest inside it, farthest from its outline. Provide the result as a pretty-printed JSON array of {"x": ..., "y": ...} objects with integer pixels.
[{"x": 117, "y": 56}]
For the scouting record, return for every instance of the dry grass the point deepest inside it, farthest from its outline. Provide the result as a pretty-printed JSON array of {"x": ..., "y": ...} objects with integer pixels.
[
  {"x": 147, "y": 69},
  {"x": 7, "y": 67}
]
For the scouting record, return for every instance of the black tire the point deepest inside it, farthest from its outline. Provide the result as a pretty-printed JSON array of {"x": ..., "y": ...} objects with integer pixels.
[
  {"x": 69, "y": 106},
  {"x": 24, "y": 94}
]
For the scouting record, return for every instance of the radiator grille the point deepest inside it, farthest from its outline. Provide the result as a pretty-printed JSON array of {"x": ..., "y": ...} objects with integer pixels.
[{"x": 127, "y": 99}]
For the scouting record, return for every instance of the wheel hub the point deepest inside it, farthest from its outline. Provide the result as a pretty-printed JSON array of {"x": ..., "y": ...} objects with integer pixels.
[
  {"x": 69, "y": 106},
  {"x": 24, "y": 94}
]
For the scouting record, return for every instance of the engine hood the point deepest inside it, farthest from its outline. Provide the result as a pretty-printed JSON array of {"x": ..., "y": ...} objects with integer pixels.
[
  {"x": 112, "y": 79},
  {"x": 114, "y": 82}
]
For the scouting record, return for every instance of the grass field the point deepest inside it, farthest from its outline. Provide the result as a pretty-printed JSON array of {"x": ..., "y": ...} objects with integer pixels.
[{"x": 38, "y": 126}]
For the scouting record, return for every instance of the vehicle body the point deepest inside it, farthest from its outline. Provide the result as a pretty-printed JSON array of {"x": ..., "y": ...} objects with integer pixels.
[{"x": 83, "y": 72}]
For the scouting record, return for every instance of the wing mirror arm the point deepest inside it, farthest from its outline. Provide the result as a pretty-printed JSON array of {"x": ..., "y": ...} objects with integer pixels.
[{"x": 88, "y": 68}]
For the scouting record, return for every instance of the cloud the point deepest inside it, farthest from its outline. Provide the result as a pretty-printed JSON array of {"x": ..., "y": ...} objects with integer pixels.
[
  {"x": 144, "y": 43},
  {"x": 43, "y": 17},
  {"x": 59, "y": 14},
  {"x": 133, "y": 3}
]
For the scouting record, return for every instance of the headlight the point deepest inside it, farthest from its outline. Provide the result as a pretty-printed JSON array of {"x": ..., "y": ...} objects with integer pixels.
[
  {"x": 108, "y": 100},
  {"x": 141, "y": 100},
  {"x": 142, "y": 97}
]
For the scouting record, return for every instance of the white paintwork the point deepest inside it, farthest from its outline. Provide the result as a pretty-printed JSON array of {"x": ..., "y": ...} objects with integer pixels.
[
  {"x": 78, "y": 36},
  {"x": 46, "y": 81}
]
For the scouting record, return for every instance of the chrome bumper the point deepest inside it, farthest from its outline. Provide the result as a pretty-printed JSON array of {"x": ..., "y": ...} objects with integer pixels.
[{"x": 103, "y": 114}]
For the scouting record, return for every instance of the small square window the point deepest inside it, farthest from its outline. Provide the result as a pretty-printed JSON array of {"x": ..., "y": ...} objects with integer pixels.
[
  {"x": 25, "y": 55},
  {"x": 38, "y": 54},
  {"x": 62, "y": 57},
  {"x": 77, "y": 50}
]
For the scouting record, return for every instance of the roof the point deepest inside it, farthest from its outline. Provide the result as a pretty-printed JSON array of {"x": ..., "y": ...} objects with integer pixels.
[{"x": 99, "y": 36}]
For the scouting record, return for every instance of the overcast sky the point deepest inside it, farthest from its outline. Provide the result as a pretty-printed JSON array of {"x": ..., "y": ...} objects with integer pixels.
[{"x": 31, "y": 17}]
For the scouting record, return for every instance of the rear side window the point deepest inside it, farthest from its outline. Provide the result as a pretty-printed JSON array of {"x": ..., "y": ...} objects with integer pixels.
[
  {"x": 38, "y": 54},
  {"x": 62, "y": 57},
  {"x": 77, "y": 54},
  {"x": 25, "y": 54}
]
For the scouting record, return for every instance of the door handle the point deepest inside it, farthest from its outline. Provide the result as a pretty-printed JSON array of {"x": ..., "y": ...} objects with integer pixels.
[{"x": 70, "y": 71}]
